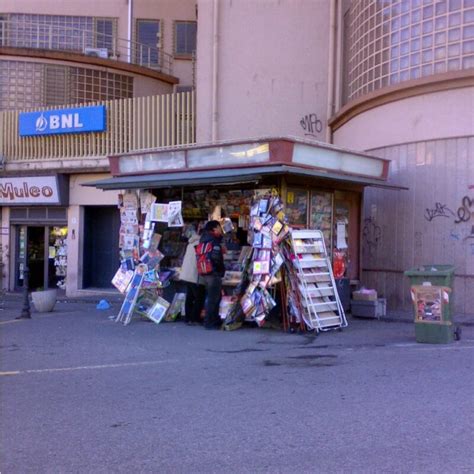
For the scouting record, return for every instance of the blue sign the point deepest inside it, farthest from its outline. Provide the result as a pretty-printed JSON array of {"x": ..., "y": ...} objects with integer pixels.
[{"x": 53, "y": 122}]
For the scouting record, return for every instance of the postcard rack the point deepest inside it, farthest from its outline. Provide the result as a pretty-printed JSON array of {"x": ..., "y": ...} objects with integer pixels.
[{"x": 320, "y": 306}]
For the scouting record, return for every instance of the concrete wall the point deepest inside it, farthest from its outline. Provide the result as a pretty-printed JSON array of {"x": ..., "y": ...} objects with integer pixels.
[
  {"x": 425, "y": 117},
  {"x": 431, "y": 223},
  {"x": 272, "y": 63},
  {"x": 430, "y": 142},
  {"x": 145, "y": 86}
]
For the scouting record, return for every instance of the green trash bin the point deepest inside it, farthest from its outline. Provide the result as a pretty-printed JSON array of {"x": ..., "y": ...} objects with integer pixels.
[{"x": 433, "y": 300}]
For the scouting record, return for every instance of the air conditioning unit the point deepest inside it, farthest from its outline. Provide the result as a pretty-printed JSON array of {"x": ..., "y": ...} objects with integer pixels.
[{"x": 97, "y": 52}]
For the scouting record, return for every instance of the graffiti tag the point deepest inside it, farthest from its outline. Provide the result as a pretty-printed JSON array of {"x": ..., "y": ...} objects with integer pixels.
[
  {"x": 465, "y": 212},
  {"x": 439, "y": 210},
  {"x": 371, "y": 234},
  {"x": 311, "y": 124}
]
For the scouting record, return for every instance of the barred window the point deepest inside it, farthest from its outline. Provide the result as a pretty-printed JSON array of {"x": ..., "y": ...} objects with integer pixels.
[
  {"x": 31, "y": 85},
  {"x": 58, "y": 32},
  {"x": 91, "y": 85}
]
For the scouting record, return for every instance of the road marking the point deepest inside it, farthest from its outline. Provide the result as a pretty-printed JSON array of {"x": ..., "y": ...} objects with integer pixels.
[
  {"x": 93, "y": 367},
  {"x": 10, "y": 321}
]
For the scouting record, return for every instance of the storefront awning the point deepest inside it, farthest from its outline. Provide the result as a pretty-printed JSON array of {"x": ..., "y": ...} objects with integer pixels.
[{"x": 229, "y": 177}]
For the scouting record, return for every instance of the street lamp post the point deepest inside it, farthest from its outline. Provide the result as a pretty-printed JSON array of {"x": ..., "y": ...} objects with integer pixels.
[{"x": 25, "y": 311}]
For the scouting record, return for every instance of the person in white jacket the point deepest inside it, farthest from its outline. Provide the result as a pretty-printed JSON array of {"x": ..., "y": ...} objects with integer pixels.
[{"x": 195, "y": 293}]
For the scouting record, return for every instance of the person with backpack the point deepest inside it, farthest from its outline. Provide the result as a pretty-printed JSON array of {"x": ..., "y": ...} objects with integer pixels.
[
  {"x": 195, "y": 292},
  {"x": 210, "y": 265}
]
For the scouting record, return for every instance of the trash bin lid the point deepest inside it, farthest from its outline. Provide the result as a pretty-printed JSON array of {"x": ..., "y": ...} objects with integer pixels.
[{"x": 429, "y": 270}]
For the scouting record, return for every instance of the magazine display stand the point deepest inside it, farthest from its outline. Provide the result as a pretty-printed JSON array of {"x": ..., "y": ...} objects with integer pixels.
[{"x": 316, "y": 293}]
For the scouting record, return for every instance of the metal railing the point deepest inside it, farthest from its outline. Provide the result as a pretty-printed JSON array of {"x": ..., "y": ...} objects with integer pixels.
[
  {"x": 132, "y": 124},
  {"x": 37, "y": 35}
]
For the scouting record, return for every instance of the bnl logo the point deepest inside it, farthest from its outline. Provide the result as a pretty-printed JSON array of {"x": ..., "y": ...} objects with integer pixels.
[{"x": 58, "y": 122}]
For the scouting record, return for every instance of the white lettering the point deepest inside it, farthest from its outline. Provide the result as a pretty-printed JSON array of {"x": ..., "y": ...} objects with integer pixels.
[
  {"x": 54, "y": 122},
  {"x": 77, "y": 123},
  {"x": 66, "y": 120}
]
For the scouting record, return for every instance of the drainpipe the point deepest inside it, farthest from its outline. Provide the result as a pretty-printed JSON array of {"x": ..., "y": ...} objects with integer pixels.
[
  {"x": 215, "y": 45},
  {"x": 339, "y": 42},
  {"x": 331, "y": 64},
  {"x": 130, "y": 30}
]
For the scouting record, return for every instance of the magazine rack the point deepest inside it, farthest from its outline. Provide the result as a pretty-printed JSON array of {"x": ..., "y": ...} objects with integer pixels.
[{"x": 320, "y": 305}]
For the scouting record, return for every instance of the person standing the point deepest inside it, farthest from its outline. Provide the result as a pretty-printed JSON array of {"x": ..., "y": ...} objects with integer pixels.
[
  {"x": 212, "y": 280},
  {"x": 195, "y": 292}
]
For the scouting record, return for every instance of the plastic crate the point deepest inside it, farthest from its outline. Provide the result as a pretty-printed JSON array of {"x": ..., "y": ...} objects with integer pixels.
[{"x": 369, "y": 309}]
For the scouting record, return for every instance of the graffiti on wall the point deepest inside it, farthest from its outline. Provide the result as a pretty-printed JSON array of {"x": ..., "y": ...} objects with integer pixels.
[
  {"x": 438, "y": 210},
  {"x": 311, "y": 124},
  {"x": 464, "y": 212},
  {"x": 371, "y": 235}
]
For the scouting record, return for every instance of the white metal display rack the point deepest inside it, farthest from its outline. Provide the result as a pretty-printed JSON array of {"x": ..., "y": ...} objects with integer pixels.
[{"x": 320, "y": 304}]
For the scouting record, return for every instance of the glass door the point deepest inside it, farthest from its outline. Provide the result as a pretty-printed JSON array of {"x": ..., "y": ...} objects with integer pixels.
[
  {"x": 57, "y": 257},
  {"x": 44, "y": 250},
  {"x": 35, "y": 253},
  {"x": 20, "y": 261}
]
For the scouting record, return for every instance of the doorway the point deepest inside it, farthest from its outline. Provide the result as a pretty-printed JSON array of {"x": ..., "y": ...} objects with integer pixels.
[
  {"x": 101, "y": 245},
  {"x": 43, "y": 250}
]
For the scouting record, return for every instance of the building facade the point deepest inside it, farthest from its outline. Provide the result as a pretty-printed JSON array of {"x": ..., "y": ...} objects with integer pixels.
[
  {"x": 407, "y": 94},
  {"x": 393, "y": 79},
  {"x": 134, "y": 59}
]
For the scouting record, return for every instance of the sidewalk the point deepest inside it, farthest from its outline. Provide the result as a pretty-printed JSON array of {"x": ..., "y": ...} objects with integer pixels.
[{"x": 14, "y": 302}]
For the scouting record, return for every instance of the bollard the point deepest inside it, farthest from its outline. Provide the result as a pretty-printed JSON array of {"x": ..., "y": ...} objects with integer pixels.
[{"x": 25, "y": 311}]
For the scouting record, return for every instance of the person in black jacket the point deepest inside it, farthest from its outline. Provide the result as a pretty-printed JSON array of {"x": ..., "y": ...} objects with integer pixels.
[{"x": 213, "y": 282}]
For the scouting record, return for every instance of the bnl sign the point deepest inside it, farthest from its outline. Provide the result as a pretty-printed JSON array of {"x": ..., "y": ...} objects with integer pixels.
[{"x": 58, "y": 121}]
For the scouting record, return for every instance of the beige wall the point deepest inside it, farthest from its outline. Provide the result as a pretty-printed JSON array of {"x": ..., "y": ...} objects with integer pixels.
[
  {"x": 271, "y": 67},
  {"x": 145, "y": 86},
  {"x": 430, "y": 142},
  {"x": 425, "y": 117},
  {"x": 431, "y": 223},
  {"x": 184, "y": 70}
]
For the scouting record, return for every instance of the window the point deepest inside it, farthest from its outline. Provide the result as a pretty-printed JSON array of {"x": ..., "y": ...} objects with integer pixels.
[
  {"x": 28, "y": 84},
  {"x": 185, "y": 38},
  {"x": 104, "y": 33},
  {"x": 59, "y": 32},
  {"x": 440, "y": 29},
  {"x": 148, "y": 42}
]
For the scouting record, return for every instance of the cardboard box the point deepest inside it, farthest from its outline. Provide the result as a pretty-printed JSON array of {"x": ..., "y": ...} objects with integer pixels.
[
  {"x": 364, "y": 295},
  {"x": 369, "y": 309}
]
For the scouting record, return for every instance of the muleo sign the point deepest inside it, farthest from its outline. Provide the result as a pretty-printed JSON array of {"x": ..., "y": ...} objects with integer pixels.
[
  {"x": 29, "y": 190},
  {"x": 59, "y": 121}
]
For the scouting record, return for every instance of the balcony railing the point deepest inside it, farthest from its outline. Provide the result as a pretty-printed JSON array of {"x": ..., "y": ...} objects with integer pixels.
[
  {"x": 132, "y": 124},
  {"x": 21, "y": 34}
]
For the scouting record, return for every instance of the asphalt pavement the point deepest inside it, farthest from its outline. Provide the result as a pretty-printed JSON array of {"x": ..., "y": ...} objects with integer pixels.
[{"x": 81, "y": 393}]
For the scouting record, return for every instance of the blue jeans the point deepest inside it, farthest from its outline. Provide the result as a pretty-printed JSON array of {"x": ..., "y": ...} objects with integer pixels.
[
  {"x": 213, "y": 284},
  {"x": 194, "y": 303}
]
